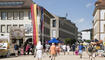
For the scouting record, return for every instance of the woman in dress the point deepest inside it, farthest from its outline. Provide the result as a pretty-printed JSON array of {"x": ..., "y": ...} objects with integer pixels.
[
  {"x": 39, "y": 49},
  {"x": 53, "y": 51}
]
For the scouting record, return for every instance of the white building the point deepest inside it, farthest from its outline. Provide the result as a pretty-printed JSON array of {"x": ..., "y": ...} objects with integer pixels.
[
  {"x": 17, "y": 13},
  {"x": 86, "y": 34},
  {"x": 99, "y": 20}
]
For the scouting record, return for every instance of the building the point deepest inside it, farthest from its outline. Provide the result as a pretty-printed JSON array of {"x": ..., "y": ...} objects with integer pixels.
[
  {"x": 79, "y": 36},
  {"x": 99, "y": 20},
  {"x": 63, "y": 28},
  {"x": 86, "y": 34},
  {"x": 17, "y": 13}
]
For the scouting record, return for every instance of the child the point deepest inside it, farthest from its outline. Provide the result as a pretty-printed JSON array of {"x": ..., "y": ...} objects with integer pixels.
[{"x": 22, "y": 51}]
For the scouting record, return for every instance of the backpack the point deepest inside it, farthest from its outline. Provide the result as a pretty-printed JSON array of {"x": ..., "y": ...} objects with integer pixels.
[{"x": 90, "y": 49}]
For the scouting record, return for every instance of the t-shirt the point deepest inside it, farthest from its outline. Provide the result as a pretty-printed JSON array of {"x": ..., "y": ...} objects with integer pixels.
[
  {"x": 80, "y": 47},
  {"x": 64, "y": 47},
  {"x": 68, "y": 47}
]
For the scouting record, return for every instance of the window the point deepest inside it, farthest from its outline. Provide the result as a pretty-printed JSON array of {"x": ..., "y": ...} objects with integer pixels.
[
  {"x": 11, "y": 3},
  {"x": 21, "y": 15},
  {"x": 15, "y": 15},
  {"x": 21, "y": 26},
  {"x": 3, "y": 28},
  {"x": 8, "y": 28},
  {"x": 29, "y": 15},
  {"x": 104, "y": 28},
  {"x": 54, "y": 34},
  {"x": 54, "y": 23},
  {"x": 3, "y": 15},
  {"x": 9, "y": 15},
  {"x": 15, "y": 26}
]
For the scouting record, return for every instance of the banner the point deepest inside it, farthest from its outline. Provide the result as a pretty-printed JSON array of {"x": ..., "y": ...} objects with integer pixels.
[
  {"x": 3, "y": 45},
  {"x": 35, "y": 23}
]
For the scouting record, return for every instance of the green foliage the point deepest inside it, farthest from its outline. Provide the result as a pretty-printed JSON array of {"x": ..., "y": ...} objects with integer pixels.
[
  {"x": 69, "y": 41},
  {"x": 88, "y": 41}
]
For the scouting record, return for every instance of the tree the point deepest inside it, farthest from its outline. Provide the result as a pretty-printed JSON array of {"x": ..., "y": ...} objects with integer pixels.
[
  {"x": 88, "y": 41},
  {"x": 69, "y": 41}
]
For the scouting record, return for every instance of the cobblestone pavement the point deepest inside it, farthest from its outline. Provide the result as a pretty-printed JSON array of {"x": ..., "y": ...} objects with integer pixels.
[{"x": 61, "y": 57}]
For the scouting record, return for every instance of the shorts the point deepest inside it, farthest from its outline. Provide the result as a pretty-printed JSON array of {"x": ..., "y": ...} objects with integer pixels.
[
  {"x": 64, "y": 50},
  {"x": 80, "y": 51}
]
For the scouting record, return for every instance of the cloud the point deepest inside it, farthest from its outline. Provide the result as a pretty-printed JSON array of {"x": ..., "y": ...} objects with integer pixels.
[
  {"x": 81, "y": 20},
  {"x": 89, "y": 5}
]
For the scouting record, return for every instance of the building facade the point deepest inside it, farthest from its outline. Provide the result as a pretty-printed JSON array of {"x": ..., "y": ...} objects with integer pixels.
[
  {"x": 17, "y": 13},
  {"x": 86, "y": 34},
  {"x": 62, "y": 28},
  {"x": 99, "y": 20},
  {"x": 79, "y": 36}
]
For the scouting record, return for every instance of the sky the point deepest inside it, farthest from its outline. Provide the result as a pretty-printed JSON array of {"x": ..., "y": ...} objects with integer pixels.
[{"x": 79, "y": 12}]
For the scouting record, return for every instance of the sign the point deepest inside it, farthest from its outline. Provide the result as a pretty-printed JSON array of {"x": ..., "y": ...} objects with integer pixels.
[{"x": 3, "y": 45}]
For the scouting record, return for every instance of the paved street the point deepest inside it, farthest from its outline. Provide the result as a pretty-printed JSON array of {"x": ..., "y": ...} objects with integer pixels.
[{"x": 61, "y": 57}]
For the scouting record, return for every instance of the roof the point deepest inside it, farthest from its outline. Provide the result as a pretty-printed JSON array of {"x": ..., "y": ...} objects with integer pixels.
[
  {"x": 87, "y": 30},
  {"x": 15, "y": 4},
  {"x": 100, "y": 4}
]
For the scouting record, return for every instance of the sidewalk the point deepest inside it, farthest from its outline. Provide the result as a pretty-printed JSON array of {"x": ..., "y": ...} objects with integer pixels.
[
  {"x": 73, "y": 57},
  {"x": 61, "y": 57}
]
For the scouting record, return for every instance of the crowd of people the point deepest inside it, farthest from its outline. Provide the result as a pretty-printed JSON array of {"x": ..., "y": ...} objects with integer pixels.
[
  {"x": 55, "y": 49},
  {"x": 23, "y": 50}
]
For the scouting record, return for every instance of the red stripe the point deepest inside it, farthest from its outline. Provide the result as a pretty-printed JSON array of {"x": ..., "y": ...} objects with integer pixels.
[{"x": 34, "y": 25}]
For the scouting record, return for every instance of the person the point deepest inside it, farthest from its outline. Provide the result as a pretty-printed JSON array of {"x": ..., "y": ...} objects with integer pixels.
[
  {"x": 28, "y": 49},
  {"x": 39, "y": 50},
  {"x": 80, "y": 50},
  {"x": 22, "y": 51},
  {"x": 64, "y": 49},
  {"x": 16, "y": 48},
  {"x": 53, "y": 51},
  {"x": 68, "y": 49},
  {"x": 76, "y": 51},
  {"x": 58, "y": 49},
  {"x": 73, "y": 48},
  {"x": 47, "y": 48},
  {"x": 91, "y": 52}
]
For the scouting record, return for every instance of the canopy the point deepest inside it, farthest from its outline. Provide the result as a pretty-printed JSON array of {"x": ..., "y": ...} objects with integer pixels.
[{"x": 53, "y": 41}]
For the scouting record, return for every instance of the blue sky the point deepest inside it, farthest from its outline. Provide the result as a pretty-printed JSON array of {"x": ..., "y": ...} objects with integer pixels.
[{"x": 79, "y": 11}]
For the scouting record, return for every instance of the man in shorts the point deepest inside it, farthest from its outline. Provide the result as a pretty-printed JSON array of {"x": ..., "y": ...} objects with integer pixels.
[
  {"x": 80, "y": 50},
  {"x": 64, "y": 49}
]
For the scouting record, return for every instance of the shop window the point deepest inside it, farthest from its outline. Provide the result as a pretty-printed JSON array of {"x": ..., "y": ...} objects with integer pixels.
[
  {"x": 21, "y": 15},
  {"x": 54, "y": 23},
  {"x": 3, "y": 15}
]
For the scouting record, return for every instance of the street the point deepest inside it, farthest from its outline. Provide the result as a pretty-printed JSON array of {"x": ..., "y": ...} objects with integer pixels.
[{"x": 61, "y": 57}]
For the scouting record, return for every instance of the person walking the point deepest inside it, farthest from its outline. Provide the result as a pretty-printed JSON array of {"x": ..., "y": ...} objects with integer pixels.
[
  {"x": 73, "y": 48},
  {"x": 22, "y": 50},
  {"x": 91, "y": 52},
  {"x": 80, "y": 50},
  {"x": 16, "y": 48},
  {"x": 64, "y": 49},
  {"x": 53, "y": 51},
  {"x": 28, "y": 49},
  {"x": 39, "y": 50},
  {"x": 58, "y": 50},
  {"x": 68, "y": 49}
]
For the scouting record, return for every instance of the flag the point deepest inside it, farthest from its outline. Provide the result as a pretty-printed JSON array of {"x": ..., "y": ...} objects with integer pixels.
[
  {"x": 42, "y": 18},
  {"x": 35, "y": 23}
]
